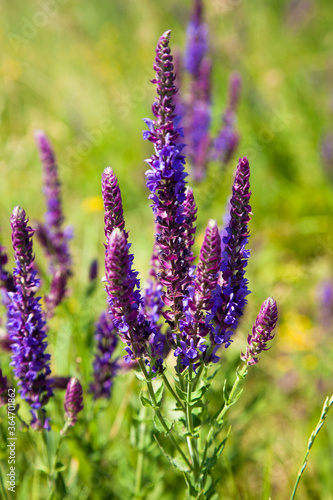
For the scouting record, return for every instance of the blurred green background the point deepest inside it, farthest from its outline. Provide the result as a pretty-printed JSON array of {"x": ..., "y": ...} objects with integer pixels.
[{"x": 80, "y": 71}]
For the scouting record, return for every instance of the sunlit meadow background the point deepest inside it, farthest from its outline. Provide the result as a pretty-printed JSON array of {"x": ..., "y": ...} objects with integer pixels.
[{"x": 81, "y": 73}]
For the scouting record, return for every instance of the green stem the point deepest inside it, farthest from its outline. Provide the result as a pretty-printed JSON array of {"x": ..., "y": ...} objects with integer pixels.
[
  {"x": 139, "y": 465},
  {"x": 191, "y": 440},
  {"x": 169, "y": 387},
  {"x": 4, "y": 492},
  {"x": 159, "y": 415},
  {"x": 328, "y": 403},
  {"x": 241, "y": 374}
]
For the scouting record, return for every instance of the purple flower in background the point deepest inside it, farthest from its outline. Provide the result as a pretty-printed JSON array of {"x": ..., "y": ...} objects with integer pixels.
[
  {"x": 197, "y": 40},
  {"x": 166, "y": 182},
  {"x": 73, "y": 403},
  {"x": 25, "y": 323},
  {"x": 262, "y": 331},
  {"x": 3, "y": 389},
  {"x": 105, "y": 369},
  {"x": 325, "y": 302},
  {"x": 195, "y": 106},
  {"x": 230, "y": 295},
  {"x": 227, "y": 140},
  {"x": 53, "y": 237}
]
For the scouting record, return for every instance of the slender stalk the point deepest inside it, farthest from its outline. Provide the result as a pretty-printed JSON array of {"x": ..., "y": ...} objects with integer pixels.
[
  {"x": 174, "y": 394},
  {"x": 139, "y": 465},
  {"x": 328, "y": 403},
  {"x": 191, "y": 440},
  {"x": 241, "y": 374},
  {"x": 159, "y": 415}
]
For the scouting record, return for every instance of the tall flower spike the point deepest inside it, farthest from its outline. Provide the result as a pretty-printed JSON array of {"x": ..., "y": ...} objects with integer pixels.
[
  {"x": 73, "y": 403},
  {"x": 51, "y": 234},
  {"x": 190, "y": 217},
  {"x": 262, "y": 332},
  {"x": 122, "y": 287},
  {"x": 195, "y": 328},
  {"x": 230, "y": 295},
  {"x": 25, "y": 323},
  {"x": 166, "y": 182}
]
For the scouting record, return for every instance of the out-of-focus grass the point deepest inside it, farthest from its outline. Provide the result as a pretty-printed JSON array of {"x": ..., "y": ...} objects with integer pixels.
[{"x": 81, "y": 73}]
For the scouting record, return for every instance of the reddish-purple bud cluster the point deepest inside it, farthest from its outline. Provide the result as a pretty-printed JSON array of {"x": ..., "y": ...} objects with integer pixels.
[
  {"x": 262, "y": 331},
  {"x": 73, "y": 403}
]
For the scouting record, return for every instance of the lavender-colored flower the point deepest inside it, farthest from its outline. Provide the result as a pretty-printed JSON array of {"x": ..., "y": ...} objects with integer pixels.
[
  {"x": 227, "y": 140},
  {"x": 73, "y": 403},
  {"x": 325, "y": 302},
  {"x": 60, "y": 382},
  {"x": 166, "y": 182},
  {"x": 197, "y": 40},
  {"x": 123, "y": 289},
  {"x": 25, "y": 322},
  {"x": 230, "y": 295},
  {"x": 105, "y": 369},
  {"x": 190, "y": 217},
  {"x": 93, "y": 270},
  {"x": 51, "y": 234},
  {"x": 262, "y": 332},
  {"x": 3, "y": 389}
]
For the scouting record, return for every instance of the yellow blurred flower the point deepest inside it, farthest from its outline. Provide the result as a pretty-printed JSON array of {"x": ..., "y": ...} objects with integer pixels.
[
  {"x": 295, "y": 332},
  {"x": 93, "y": 204}
]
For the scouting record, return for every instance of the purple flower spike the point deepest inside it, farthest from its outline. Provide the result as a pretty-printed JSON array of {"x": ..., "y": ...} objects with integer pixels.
[
  {"x": 113, "y": 207},
  {"x": 3, "y": 389},
  {"x": 25, "y": 321},
  {"x": 190, "y": 217},
  {"x": 166, "y": 182},
  {"x": 230, "y": 295},
  {"x": 262, "y": 332},
  {"x": 105, "y": 369},
  {"x": 51, "y": 234},
  {"x": 197, "y": 40},
  {"x": 73, "y": 403}
]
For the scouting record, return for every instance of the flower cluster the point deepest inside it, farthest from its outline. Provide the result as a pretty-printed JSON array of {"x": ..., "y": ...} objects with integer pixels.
[
  {"x": 26, "y": 326},
  {"x": 229, "y": 297},
  {"x": 262, "y": 331},
  {"x": 196, "y": 106},
  {"x": 53, "y": 237}
]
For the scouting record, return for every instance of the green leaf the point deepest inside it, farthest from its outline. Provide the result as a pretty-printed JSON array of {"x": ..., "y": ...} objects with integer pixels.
[
  {"x": 61, "y": 486},
  {"x": 159, "y": 395},
  {"x": 182, "y": 395},
  {"x": 140, "y": 376},
  {"x": 145, "y": 401},
  {"x": 177, "y": 463},
  {"x": 192, "y": 491},
  {"x": 159, "y": 426},
  {"x": 198, "y": 394}
]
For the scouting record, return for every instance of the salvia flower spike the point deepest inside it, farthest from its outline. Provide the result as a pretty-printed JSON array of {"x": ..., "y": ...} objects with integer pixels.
[
  {"x": 25, "y": 323},
  {"x": 229, "y": 297},
  {"x": 166, "y": 182},
  {"x": 262, "y": 332},
  {"x": 73, "y": 403},
  {"x": 51, "y": 234}
]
